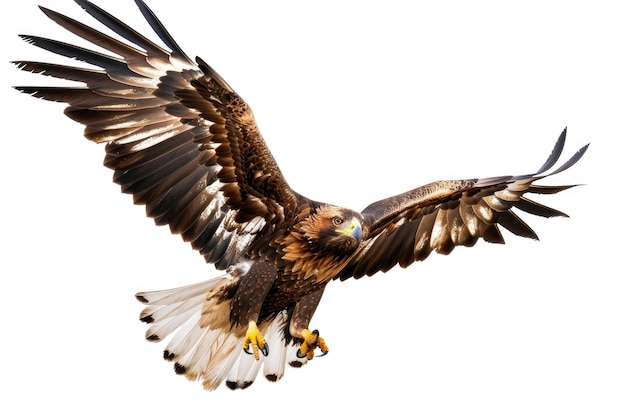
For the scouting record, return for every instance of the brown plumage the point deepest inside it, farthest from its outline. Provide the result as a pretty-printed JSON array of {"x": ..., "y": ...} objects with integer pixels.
[{"x": 185, "y": 145}]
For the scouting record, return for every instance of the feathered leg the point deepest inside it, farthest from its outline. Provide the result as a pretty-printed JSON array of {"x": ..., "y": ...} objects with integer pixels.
[
  {"x": 298, "y": 327},
  {"x": 247, "y": 303}
]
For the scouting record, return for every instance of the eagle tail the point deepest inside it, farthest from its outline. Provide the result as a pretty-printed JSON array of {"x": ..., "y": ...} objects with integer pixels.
[{"x": 202, "y": 343}]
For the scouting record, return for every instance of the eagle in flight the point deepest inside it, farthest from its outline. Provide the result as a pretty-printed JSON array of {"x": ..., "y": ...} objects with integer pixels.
[{"x": 186, "y": 146}]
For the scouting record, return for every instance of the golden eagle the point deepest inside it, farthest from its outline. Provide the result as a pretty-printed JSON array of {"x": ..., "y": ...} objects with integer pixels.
[{"x": 186, "y": 146}]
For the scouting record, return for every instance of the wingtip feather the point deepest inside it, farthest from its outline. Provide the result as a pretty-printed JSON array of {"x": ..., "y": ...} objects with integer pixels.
[
  {"x": 572, "y": 160},
  {"x": 160, "y": 30},
  {"x": 555, "y": 154}
]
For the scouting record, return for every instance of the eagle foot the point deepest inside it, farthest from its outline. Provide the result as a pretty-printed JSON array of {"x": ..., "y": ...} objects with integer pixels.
[
  {"x": 312, "y": 340},
  {"x": 255, "y": 338}
]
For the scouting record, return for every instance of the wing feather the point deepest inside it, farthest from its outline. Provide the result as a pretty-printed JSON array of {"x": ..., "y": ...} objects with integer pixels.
[
  {"x": 445, "y": 214},
  {"x": 178, "y": 138},
  {"x": 537, "y": 209}
]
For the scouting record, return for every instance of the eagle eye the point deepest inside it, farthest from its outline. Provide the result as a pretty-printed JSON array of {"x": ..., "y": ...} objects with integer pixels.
[{"x": 337, "y": 221}]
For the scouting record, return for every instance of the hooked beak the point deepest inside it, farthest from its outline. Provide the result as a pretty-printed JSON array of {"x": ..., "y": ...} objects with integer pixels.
[{"x": 354, "y": 230}]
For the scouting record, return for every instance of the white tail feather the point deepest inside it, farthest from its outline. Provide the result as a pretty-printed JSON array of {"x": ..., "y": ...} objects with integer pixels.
[
  {"x": 244, "y": 371},
  {"x": 181, "y": 340},
  {"x": 292, "y": 356},
  {"x": 196, "y": 360},
  {"x": 219, "y": 372},
  {"x": 165, "y": 326},
  {"x": 159, "y": 313},
  {"x": 185, "y": 338},
  {"x": 176, "y": 295},
  {"x": 274, "y": 368}
]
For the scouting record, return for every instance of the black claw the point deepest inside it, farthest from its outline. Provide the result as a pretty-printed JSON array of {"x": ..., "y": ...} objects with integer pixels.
[
  {"x": 323, "y": 354},
  {"x": 265, "y": 350},
  {"x": 302, "y": 355}
]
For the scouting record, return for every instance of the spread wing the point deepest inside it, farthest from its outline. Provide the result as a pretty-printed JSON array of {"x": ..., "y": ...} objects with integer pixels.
[
  {"x": 179, "y": 139},
  {"x": 445, "y": 214}
]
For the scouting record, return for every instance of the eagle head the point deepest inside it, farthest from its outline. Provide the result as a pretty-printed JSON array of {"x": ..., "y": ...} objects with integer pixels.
[{"x": 333, "y": 230}]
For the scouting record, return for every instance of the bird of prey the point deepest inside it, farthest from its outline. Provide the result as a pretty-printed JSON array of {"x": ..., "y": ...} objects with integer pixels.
[{"x": 185, "y": 145}]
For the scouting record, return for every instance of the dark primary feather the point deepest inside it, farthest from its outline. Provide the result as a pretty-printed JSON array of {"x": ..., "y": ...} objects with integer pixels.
[
  {"x": 153, "y": 50},
  {"x": 555, "y": 154},
  {"x": 177, "y": 136},
  {"x": 445, "y": 214}
]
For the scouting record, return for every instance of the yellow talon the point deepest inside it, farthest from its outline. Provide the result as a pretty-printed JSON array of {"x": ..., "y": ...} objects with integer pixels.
[
  {"x": 312, "y": 340},
  {"x": 255, "y": 338}
]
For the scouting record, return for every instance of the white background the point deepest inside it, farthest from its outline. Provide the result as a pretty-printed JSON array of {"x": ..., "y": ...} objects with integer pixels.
[{"x": 357, "y": 101}]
